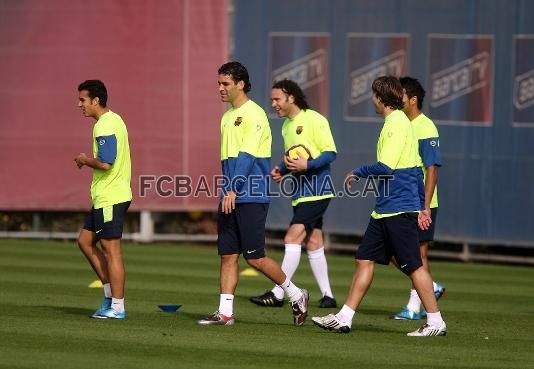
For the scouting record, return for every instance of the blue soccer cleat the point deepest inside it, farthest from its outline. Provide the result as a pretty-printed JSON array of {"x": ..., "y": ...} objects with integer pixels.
[
  {"x": 104, "y": 305},
  {"x": 439, "y": 291},
  {"x": 112, "y": 314},
  {"x": 406, "y": 314}
]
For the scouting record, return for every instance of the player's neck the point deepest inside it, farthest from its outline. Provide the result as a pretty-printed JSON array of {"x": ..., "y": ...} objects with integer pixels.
[
  {"x": 387, "y": 111},
  {"x": 413, "y": 114},
  {"x": 239, "y": 101},
  {"x": 100, "y": 112},
  {"x": 294, "y": 112}
]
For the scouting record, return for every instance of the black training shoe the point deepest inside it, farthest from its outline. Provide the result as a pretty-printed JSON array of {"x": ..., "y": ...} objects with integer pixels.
[
  {"x": 267, "y": 299},
  {"x": 327, "y": 302}
]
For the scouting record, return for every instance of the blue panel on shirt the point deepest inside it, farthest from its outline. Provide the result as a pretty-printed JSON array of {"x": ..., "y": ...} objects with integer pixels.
[
  {"x": 377, "y": 169},
  {"x": 325, "y": 158},
  {"x": 403, "y": 192},
  {"x": 252, "y": 187},
  {"x": 429, "y": 151},
  {"x": 107, "y": 149}
]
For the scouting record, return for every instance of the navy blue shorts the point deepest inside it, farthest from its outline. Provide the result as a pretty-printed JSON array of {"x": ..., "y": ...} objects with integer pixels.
[
  {"x": 428, "y": 235},
  {"x": 243, "y": 230},
  {"x": 310, "y": 214},
  {"x": 392, "y": 236},
  {"x": 107, "y": 222}
]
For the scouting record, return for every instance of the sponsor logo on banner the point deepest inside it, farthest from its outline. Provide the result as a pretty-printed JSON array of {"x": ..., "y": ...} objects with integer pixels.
[
  {"x": 524, "y": 90},
  {"x": 523, "y": 81},
  {"x": 371, "y": 55},
  {"x": 303, "y": 58},
  {"x": 362, "y": 79},
  {"x": 460, "y": 79},
  {"x": 306, "y": 71}
]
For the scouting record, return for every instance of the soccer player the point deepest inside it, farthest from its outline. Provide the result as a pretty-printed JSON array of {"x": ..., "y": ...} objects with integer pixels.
[
  {"x": 429, "y": 159},
  {"x": 111, "y": 196},
  {"x": 246, "y": 159},
  {"x": 306, "y": 127},
  {"x": 393, "y": 228}
]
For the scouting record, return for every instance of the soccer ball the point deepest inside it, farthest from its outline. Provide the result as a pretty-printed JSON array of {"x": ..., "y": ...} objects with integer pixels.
[{"x": 295, "y": 150}]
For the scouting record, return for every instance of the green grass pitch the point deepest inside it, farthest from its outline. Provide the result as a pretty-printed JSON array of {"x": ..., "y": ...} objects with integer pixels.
[{"x": 45, "y": 302}]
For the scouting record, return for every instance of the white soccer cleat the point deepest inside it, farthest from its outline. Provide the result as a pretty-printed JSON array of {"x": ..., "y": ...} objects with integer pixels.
[
  {"x": 300, "y": 308},
  {"x": 330, "y": 322},
  {"x": 428, "y": 330}
]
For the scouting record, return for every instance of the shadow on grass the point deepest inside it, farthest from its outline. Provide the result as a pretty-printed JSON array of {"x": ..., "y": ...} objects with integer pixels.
[{"x": 68, "y": 310}]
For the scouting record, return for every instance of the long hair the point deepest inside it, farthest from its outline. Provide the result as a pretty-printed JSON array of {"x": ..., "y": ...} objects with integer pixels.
[
  {"x": 389, "y": 90},
  {"x": 290, "y": 87}
]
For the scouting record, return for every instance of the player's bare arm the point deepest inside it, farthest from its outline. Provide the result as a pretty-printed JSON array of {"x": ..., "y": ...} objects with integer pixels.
[{"x": 83, "y": 159}]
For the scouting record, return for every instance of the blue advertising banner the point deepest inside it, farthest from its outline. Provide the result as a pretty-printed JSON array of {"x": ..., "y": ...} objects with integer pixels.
[
  {"x": 371, "y": 55},
  {"x": 303, "y": 58},
  {"x": 475, "y": 59},
  {"x": 523, "y": 80},
  {"x": 460, "y": 70}
]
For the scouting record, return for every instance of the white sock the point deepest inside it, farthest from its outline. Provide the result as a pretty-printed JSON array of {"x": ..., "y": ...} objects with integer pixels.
[
  {"x": 345, "y": 315},
  {"x": 320, "y": 270},
  {"x": 434, "y": 286},
  {"x": 289, "y": 266},
  {"x": 293, "y": 292},
  {"x": 107, "y": 290},
  {"x": 434, "y": 319},
  {"x": 414, "y": 303},
  {"x": 226, "y": 304},
  {"x": 117, "y": 304}
]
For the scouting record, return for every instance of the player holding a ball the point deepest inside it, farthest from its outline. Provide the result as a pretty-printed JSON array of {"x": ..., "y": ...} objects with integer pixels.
[{"x": 309, "y": 150}]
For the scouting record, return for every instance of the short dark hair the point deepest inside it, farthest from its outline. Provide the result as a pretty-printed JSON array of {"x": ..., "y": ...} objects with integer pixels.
[
  {"x": 95, "y": 88},
  {"x": 238, "y": 72},
  {"x": 389, "y": 90},
  {"x": 413, "y": 88},
  {"x": 290, "y": 87}
]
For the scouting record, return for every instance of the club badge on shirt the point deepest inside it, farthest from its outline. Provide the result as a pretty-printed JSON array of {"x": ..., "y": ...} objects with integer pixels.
[
  {"x": 238, "y": 121},
  {"x": 299, "y": 129}
]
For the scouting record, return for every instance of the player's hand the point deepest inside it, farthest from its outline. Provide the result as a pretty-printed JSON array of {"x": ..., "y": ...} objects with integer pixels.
[
  {"x": 349, "y": 178},
  {"x": 296, "y": 165},
  {"x": 81, "y": 160},
  {"x": 424, "y": 219},
  {"x": 275, "y": 174},
  {"x": 228, "y": 202}
]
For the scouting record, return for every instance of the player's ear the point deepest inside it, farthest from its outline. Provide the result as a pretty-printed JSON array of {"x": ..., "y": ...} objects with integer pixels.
[
  {"x": 96, "y": 101},
  {"x": 291, "y": 99},
  {"x": 241, "y": 85}
]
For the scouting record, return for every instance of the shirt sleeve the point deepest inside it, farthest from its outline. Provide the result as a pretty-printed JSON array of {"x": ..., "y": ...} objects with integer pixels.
[
  {"x": 323, "y": 136},
  {"x": 106, "y": 148},
  {"x": 430, "y": 152},
  {"x": 324, "y": 159}
]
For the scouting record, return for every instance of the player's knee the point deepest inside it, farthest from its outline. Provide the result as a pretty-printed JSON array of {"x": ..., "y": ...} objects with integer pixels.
[
  {"x": 290, "y": 240},
  {"x": 313, "y": 244},
  {"x": 83, "y": 244},
  {"x": 256, "y": 263}
]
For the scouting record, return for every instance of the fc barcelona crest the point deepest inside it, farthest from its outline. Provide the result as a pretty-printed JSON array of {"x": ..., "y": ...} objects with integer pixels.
[
  {"x": 238, "y": 121},
  {"x": 299, "y": 129}
]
